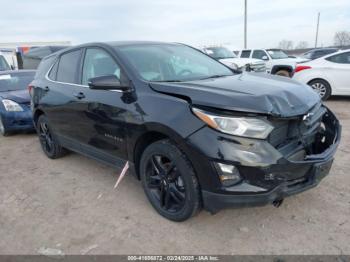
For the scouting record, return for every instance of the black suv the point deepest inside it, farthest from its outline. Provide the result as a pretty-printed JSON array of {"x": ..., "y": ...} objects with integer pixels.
[{"x": 196, "y": 133}]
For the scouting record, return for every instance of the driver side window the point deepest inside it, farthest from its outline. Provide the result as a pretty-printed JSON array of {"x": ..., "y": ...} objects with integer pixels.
[
  {"x": 259, "y": 54},
  {"x": 98, "y": 62}
]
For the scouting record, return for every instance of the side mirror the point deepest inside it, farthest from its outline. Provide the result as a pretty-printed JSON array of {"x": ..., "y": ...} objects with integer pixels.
[
  {"x": 107, "y": 82},
  {"x": 265, "y": 58}
]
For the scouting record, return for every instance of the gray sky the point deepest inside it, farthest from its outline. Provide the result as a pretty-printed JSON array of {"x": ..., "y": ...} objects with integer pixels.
[{"x": 194, "y": 22}]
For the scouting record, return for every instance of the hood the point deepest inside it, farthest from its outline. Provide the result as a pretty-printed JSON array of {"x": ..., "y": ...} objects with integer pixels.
[
  {"x": 242, "y": 61},
  {"x": 247, "y": 92},
  {"x": 18, "y": 96}
]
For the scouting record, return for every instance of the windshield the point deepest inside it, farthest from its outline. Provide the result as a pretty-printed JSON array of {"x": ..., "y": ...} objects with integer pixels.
[
  {"x": 3, "y": 64},
  {"x": 172, "y": 63},
  {"x": 219, "y": 52},
  {"x": 13, "y": 82},
  {"x": 277, "y": 54}
]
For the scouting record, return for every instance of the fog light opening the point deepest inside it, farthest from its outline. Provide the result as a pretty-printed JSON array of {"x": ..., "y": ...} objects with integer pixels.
[{"x": 228, "y": 174}]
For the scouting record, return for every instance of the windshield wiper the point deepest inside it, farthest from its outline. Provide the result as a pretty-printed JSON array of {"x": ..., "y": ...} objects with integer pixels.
[
  {"x": 170, "y": 81},
  {"x": 214, "y": 76}
]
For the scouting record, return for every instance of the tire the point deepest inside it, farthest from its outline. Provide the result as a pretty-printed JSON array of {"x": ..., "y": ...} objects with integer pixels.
[
  {"x": 48, "y": 141},
  {"x": 322, "y": 87},
  {"x": 3, "y": 130},
  {"x": 169, "y": 181},
  {"x": 283, "y": 73}
]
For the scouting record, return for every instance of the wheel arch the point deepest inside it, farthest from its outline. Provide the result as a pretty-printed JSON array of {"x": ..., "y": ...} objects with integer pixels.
[
  {"x": 152, "y": 133},
  {"x": 36, "y": 115},
  {"x": 319, "y": 78}
]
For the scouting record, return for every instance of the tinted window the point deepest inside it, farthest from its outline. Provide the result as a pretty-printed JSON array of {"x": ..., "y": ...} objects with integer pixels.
[
  {"x": 3, "y": 64},
  {"x": 97, "y": 62},
  {"x": 170, "y": 62},
  {"x": 259, "y": 54},
  {"x": 68, "y": 67},
  {"x": 245, "y": 53},
  {"x": 219, "y": 52},
  {"x": 44, "y": 66},
  {"x": 343, "y": 58},
  {"x": 15, "y": 81},
  {"x": 277, "y": 54}
]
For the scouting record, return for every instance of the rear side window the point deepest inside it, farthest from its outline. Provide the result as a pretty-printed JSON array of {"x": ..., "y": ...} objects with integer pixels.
[
  {"x": 44, "y": 67},
  {"x": 68, "y": 67},
  {"x": 343, "y": 58},
  {"x": 245, "y": 53},
  {"x": 53, "y": 72}
]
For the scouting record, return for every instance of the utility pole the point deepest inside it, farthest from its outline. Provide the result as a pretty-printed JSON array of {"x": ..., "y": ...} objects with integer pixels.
[
  {"x": 318, "y": 24},
  {"x": 245, "y": 24}
]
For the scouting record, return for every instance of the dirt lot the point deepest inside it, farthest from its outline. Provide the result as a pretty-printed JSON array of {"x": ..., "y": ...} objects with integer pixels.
[{"x": 69, "y": 204}]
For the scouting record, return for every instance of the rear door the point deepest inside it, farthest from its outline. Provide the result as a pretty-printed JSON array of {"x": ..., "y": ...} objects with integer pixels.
[{"x": 62, "y": 97}]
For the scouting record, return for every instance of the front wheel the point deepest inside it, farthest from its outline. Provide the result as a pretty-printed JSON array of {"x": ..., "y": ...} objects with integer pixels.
[
  {"x": 322, "y": 88},
  {"x": 169, "y": 181}
]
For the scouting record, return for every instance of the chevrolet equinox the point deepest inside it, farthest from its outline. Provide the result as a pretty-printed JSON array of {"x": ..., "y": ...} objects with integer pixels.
[{"x": 195, "y": 132}]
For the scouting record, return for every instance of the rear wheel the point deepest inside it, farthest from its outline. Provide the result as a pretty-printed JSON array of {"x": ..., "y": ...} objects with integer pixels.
[
  {"x": 3, "y": 130},
  {"x": 169, "y": 181},
  {"x": 48, "y": 142},
  {"x": 283, "y": 73},
  {"x": 322, "y": 88}
]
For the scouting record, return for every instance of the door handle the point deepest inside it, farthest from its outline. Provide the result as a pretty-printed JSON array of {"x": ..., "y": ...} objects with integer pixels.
[{"x": 79, "y": 95}]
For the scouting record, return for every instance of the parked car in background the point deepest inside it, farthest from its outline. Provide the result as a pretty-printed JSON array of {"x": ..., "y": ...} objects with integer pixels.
[
  {"x": 319, "y": 52},
  {"x": 277, "y": 61},
  {"x": 227, "y": 57},
  {"x": 15, "y": 112},
  {"x": 328, "y": 75},
  {"x": 31, "y": 59},
  {"x": 195, "y": 132},
  {"x": 4, "y": 66}
]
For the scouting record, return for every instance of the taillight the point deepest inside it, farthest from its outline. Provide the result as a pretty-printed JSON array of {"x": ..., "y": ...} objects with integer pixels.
[{"x": 301, "y": 68}]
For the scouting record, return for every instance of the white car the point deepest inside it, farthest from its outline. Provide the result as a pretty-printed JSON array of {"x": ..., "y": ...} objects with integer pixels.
[
  {"x": 328, "y": 75},
  {"x": 277, "y": 61},
  {"x": 4, "y": 66},
  {"x": 227, "y": 57}
]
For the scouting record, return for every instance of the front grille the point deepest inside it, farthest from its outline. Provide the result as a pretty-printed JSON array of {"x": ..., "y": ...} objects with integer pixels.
[{"x": 302, "y": 129}]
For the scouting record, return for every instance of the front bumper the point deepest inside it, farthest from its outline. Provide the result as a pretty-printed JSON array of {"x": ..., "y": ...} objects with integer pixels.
[
  {"x": 18, "y": 121},
  {"x": 267, "y": 174}
]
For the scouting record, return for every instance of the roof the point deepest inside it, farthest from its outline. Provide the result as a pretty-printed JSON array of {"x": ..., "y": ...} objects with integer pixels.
[
  {"x": 7, "y": 72},
  {"x": 112, "y": 44}
]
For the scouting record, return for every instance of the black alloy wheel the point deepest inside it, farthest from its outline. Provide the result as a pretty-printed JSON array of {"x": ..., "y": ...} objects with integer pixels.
[
  {"x": 169, "y": 181},
  {"x": 48, "y": 142}
]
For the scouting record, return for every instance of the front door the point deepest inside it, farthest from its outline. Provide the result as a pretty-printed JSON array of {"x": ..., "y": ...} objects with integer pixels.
[{"x": 104, "y": 112}]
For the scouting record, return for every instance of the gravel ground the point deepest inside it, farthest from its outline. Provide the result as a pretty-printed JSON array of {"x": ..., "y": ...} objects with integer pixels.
[{"x": 70, "y": 205}]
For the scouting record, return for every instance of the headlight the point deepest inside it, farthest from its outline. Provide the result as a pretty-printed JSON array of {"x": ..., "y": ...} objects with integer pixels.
[
  {"x": 11, "y": 106},
  {"x": 238, "y": 126}
]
